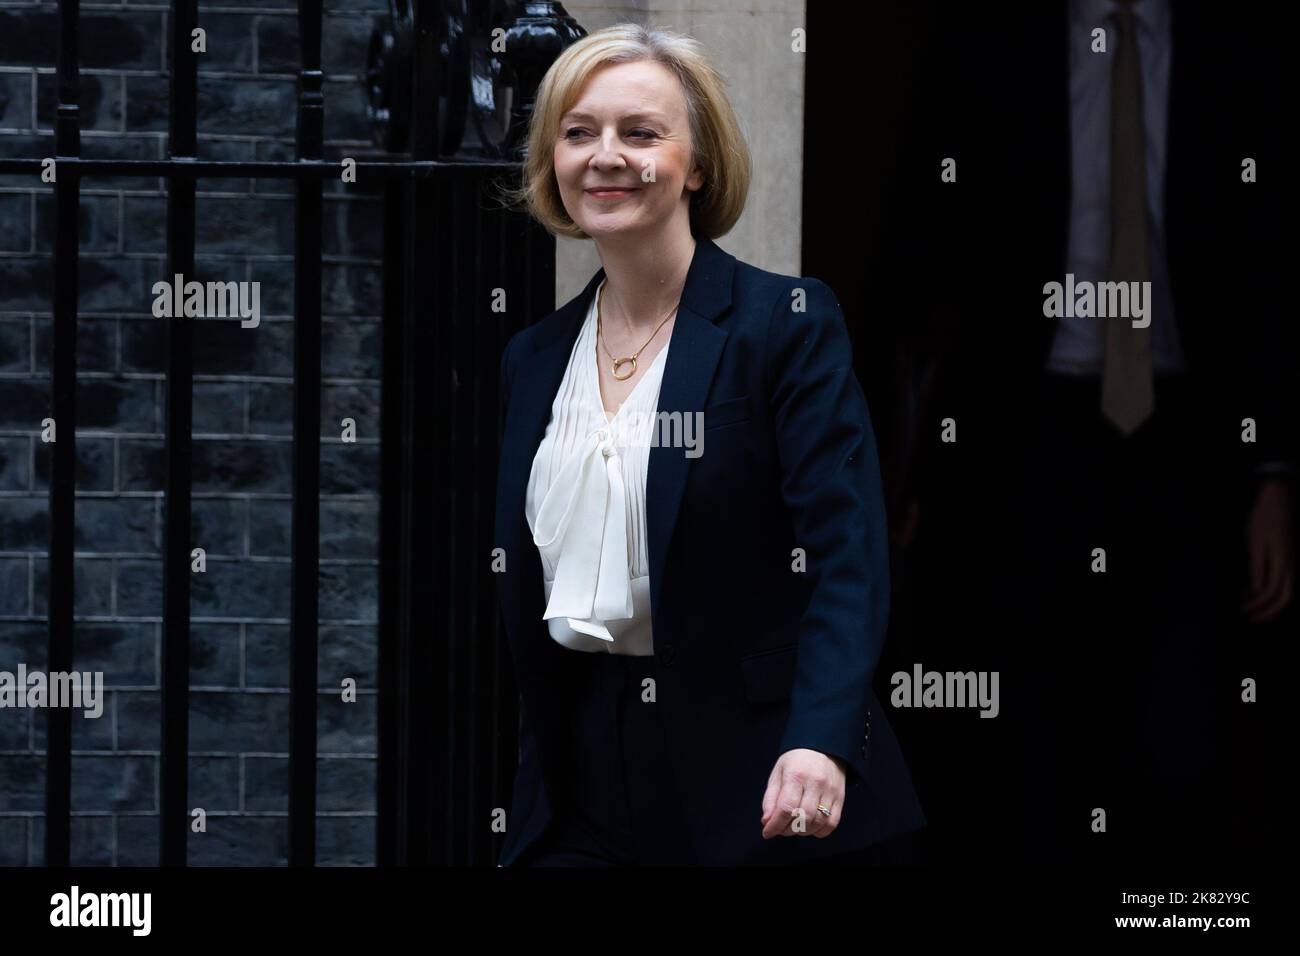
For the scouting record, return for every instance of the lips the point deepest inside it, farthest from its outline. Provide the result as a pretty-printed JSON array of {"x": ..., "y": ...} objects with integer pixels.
[{"x": 607, "y": 192}]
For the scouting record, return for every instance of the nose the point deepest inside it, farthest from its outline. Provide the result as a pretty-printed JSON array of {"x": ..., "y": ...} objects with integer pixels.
[{"x": 606, "y": 155}]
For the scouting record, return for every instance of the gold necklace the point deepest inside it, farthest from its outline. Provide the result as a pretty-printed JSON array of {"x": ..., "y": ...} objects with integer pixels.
[{"x": 631, "y": 359}]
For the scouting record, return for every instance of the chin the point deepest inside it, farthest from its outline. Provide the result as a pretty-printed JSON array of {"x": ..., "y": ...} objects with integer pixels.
[{"x": 605, "y": 227}]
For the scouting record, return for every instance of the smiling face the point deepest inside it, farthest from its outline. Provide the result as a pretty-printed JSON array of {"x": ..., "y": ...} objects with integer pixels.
[{"x": 623, "y": 154}]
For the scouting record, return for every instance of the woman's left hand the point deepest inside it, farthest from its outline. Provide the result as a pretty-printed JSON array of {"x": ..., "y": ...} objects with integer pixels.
[{"x": 800, "y": 781}]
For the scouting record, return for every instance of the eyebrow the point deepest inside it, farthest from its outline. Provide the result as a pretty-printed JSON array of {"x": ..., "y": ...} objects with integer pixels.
[{"x": 631, "y": 117}]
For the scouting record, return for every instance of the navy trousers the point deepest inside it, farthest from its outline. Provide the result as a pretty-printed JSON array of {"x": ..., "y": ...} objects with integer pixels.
[{"x": 623, "y": 807}]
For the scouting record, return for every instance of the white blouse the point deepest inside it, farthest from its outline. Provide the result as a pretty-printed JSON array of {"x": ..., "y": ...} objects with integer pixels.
[{"x": 585, "y": 506}]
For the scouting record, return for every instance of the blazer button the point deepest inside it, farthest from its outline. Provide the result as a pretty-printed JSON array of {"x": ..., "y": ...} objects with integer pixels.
[{"x": 666, "y": 655}]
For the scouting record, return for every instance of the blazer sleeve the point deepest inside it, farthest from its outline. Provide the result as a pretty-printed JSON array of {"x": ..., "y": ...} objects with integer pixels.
[{"x": 830, "y": 482}]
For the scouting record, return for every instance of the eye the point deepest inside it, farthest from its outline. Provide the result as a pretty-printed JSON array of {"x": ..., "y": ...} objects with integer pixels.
[
  {"x": 649, "y": 134},
  {"x": 573, "y": 129}
]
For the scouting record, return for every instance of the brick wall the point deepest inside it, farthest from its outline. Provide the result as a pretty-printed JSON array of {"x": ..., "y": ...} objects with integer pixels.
[{"x": 242, "y": 450}]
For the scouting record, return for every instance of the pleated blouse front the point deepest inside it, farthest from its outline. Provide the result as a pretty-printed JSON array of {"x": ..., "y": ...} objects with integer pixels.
[{"x": 585, "y": 506}]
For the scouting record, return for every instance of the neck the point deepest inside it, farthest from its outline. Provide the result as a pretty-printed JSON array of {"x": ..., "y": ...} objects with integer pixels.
[{"x": 644, "y": 280}]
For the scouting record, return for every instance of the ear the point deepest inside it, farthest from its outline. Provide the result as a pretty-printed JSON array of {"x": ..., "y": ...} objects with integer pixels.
[{"x": 695, "y": 180}]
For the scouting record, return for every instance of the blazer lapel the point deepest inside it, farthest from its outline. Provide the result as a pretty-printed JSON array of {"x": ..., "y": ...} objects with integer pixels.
[
  {"x": 537, "y": 380},
  {"x": 695, "y": 347},
  {"x": 536, "y": 383},
  {"x": 693, "y": 354}
]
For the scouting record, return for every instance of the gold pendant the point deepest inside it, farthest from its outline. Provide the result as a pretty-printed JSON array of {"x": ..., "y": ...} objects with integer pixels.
[{"x": 623, "y": 361}]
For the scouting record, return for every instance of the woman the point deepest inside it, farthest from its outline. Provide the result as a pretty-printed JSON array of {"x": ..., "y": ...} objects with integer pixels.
[{"x": 685, "y": 444}]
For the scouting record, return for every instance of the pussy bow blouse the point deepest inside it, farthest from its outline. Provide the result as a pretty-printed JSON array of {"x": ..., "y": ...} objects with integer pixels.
[{"x": 585, "y": 506}]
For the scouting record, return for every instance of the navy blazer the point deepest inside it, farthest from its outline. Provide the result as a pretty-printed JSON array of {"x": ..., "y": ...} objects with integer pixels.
[{"x": 769, "y": 578}]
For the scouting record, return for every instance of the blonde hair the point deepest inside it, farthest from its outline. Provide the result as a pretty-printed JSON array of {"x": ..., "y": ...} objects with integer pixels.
[{"x": 717, "y": 145}]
